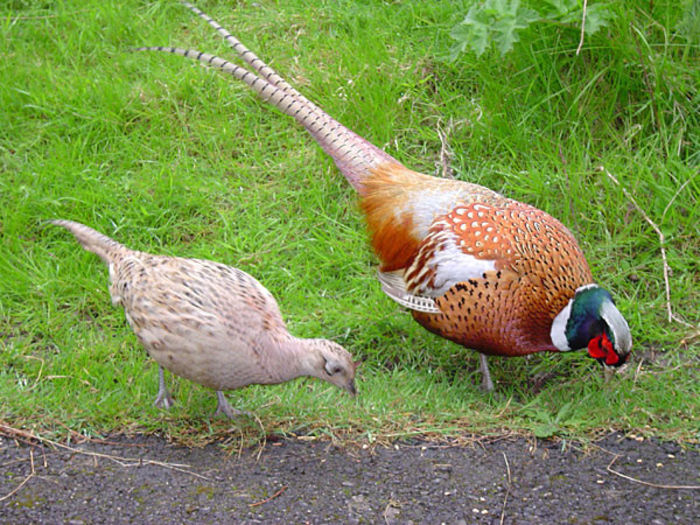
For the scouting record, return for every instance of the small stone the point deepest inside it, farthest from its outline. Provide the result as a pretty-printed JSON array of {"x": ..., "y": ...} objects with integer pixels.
[{"x": 359, "y": 504}]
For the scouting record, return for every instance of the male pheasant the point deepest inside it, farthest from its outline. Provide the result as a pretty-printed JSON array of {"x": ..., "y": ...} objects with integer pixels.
[
  {"x": 487, "y": 272},
  {"x": 210, "y": 323}
]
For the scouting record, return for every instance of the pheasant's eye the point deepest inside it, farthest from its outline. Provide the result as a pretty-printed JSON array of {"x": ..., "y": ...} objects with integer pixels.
[
  {"x": 333, "y": 369},
  {"x": 606, "y": 343},
  {"x": 612, "y": 358}
]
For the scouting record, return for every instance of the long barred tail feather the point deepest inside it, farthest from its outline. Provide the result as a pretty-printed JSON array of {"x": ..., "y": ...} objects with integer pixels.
[
  {"x": 251, "y": 58},
  {"x": 353, "y": 155}
]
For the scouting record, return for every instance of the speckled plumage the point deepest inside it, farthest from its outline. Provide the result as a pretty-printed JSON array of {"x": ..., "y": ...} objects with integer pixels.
[
  {"x": 210, "y": 323},
  {"x": 485, "y": 271}
]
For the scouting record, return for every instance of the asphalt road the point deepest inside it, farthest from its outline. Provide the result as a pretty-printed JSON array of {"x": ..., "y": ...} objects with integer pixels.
[{"x": 492, "y": 480}]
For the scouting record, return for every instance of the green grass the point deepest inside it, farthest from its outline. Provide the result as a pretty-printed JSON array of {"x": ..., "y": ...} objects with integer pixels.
[{"x": 168, "y": 157}]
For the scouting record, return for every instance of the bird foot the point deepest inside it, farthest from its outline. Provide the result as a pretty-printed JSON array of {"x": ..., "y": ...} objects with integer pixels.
[
  {"x": 486, "y": 385},
  {"x": 224, "y": 409},
  {"x": 164, "y": 400}
]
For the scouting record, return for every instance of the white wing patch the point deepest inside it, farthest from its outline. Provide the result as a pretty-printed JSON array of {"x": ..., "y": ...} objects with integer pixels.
[
  {"x": 394, "y": 286},
  {"x": 443, "y": 263}
]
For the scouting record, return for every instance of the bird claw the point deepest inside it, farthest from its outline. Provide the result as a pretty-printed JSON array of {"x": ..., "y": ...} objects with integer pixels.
[
  {"x": 164, "y": 400},
  {"x": 224, "y": 409},
  {"x": 486, "y": 384}
]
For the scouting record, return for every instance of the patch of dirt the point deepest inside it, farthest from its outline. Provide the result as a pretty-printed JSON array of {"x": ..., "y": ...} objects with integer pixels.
[{"x": 147, "y": 480}]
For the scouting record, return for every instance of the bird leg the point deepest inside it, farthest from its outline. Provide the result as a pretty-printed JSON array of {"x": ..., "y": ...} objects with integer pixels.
[
  {"x": 486, "y": 383},
  {"x": 223, "y": 408},
  {"x": 163, "y": 399}
]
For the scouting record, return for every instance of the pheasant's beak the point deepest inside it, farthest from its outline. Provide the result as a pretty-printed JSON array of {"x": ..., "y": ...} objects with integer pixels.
[
  {"x": 608, "y": 373},
  {"x": 602, "y": 350},
  {"x": 350, "y": 387}
]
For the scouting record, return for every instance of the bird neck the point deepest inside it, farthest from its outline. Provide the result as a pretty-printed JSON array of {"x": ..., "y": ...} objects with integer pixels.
[{"x": 301, "y": 357}]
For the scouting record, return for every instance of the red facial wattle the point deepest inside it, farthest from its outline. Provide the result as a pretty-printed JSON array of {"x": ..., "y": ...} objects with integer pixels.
[{"x": 602, "y": 348}]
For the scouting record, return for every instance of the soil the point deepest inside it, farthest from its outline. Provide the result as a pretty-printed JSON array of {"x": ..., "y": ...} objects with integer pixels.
[{"x": 493, "y": 480}]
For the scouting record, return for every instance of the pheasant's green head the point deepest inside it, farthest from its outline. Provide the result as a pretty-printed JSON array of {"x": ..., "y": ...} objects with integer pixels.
[{"x": 591, "y": 320}]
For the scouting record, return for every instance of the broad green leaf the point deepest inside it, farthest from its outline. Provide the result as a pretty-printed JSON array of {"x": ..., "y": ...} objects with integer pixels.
[
  {"x": 494, "y": 21},
  {"x": 561, "y": 7},
  {"x": 597, "y": 17},
  {"x": 564, "y": 413},
  {"x": 546, "y": 430},
  {"x": 689, "y": 25}
]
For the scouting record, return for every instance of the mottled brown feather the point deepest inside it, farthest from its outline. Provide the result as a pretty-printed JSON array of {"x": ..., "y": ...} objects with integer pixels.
[{"x": 210, "y": 323}]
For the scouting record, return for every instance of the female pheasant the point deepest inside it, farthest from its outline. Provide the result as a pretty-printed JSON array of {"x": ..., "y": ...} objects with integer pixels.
[
  {"x": 487, "y": 272},
  {"x": 210, "y": 323}
]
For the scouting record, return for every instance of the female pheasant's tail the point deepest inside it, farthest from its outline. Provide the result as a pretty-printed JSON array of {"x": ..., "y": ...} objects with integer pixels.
[
  {"x": 92, "y": 240},
  {"x": 354, "y": 156}
]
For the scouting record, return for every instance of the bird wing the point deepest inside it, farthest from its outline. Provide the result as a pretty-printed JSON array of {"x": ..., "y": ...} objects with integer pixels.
[
  {"x": 394, "y": 286},
  {"x": 207, "y": 297},
  {"x": 472, "y": 239}
]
